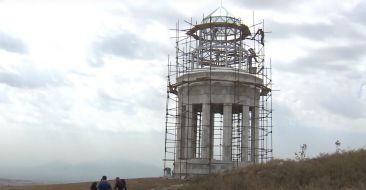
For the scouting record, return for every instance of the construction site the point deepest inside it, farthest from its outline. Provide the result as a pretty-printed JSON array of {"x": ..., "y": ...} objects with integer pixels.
[{"x": 219, "y": 97}]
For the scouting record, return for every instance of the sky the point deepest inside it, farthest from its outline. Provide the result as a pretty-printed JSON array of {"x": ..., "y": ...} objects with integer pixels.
[{"x": 83, "y": 83}]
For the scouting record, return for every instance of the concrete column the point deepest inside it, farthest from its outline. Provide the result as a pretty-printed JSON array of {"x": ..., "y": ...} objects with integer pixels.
[
  {"x": 252, "y": 135},
  {"x": 227, "y": 132},
  {"x": 257, "y": 139},
  {"x": 189, "y": 132},
  {"x": 212, "y": 134},
  {"x": 178, "y": 150},
  {"x": 245, "y": 133},
  {"x": 194, "y": 132},
  {"x": 255, "y": 134},
  {"x": 206, "y": 131},
  {"x": 183, "y": 136}
]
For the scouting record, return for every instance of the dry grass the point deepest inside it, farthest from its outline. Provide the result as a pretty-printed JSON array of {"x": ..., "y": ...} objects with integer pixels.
[
  {"x": 327, "y": 172},
  {"x": 346, "y": 170},
  {"x": 132, "y": 184}
]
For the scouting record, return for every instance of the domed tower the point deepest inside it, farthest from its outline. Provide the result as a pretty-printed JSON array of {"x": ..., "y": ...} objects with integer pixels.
[{"x": 219, "y": 106}]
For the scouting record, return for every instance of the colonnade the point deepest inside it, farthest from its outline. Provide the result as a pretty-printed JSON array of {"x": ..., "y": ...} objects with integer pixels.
[{"x": 187, "y": 146}]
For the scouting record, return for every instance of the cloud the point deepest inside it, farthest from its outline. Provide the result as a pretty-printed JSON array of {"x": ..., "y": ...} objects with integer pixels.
[
  {"x": 267, "y": 4},
  {"x": 326, "y": 74},
  {"x": 151, "y": 13},
  {"x": 332, "y": 58},
  {"x": 129, "y": 86},
  {"x": 362, "y": 91},
  {"x": 111, "y": 104},
  {"x": 137, "y": 101},
  {"x": 329, "y": 68},
  {"x": 319, "y": 99},
  {"x": 358, "y": 13},
  {"x": 12, "y": 44},
  {"x": 126, "y": 45},
  {"x": 4, "y": 97},
  {"x": 339, "y": 28},
  {"x": 341, "y": 106},
  {"x": 26, "y": 76}
]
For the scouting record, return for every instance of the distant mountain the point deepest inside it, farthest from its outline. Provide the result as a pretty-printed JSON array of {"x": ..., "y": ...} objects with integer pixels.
[
  {"x": 13, "y": 182},
  {"x": 63, "y": 172}
]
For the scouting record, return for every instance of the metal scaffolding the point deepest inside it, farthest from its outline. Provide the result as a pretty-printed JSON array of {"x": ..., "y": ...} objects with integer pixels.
[{"x": 220, "y": 42}]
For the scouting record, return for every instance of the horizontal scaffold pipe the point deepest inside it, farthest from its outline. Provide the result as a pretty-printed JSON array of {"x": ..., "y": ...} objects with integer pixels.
[{"x": 244, "y": 30}]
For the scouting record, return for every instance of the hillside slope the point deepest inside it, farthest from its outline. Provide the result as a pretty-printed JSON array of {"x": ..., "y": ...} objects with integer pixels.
[
  {"x": 345, "y": 170},
  {"x": 337, "y": 171}
]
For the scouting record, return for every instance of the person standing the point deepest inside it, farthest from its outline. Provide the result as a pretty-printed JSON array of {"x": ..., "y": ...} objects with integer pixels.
[
  {"x": 120, "y": 184},
  {"x": 123, "y": 181},
  {"x": 94, "y": 186},
  {"x": 104, "y": 184}
]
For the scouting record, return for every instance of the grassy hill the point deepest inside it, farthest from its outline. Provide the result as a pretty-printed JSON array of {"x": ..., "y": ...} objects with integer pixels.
[{"x": 345, "y": 170}]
